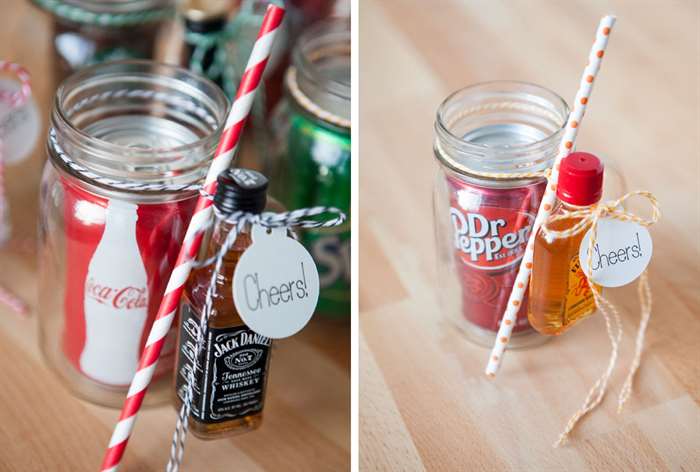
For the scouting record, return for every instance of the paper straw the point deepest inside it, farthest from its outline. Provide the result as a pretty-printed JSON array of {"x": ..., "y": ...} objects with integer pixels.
[
  {"x": 18, "y": 98},
  {"x": 193, "y": 237},
  {"x": 567, "y": 143},
  {"x": 4, "y": 206},
  {"x": 11, "y": 300},
  {"x": 13, "y": 100}
]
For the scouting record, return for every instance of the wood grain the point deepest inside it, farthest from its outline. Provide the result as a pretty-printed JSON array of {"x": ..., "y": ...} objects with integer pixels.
[
  {"x": 424, "y": 401},
  {"x": 43, "y": 427}
]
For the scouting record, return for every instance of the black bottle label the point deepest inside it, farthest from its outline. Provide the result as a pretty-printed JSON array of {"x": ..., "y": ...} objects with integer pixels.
[{"x": 231, "y": 370}]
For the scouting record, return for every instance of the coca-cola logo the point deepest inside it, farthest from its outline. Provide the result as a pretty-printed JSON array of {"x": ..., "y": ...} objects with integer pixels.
[
  {"x": 493, "y": 237},
  {"x": 121, "y": 298}
]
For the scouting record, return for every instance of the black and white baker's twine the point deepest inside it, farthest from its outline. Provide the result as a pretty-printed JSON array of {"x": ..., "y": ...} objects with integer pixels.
[
  {"x": 148, "y": 94},
  {"x": 125, "y": 184},
  {"x": 316, "y": 217},
  {"x": 120, "y": 184}
]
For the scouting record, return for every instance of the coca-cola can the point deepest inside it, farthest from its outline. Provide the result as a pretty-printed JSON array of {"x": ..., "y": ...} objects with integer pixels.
[
  {"x": 487, "y": 136},
  {"x": 129, "y": 144}
]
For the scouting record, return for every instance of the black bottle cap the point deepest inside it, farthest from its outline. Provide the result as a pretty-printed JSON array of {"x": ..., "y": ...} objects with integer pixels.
[
  {"x": 241, "y": 190},
  {"x": 205, "y": 16}
]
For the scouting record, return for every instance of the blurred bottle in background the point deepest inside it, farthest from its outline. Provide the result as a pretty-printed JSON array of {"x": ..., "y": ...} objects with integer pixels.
[{"x": 87, "y": 32}]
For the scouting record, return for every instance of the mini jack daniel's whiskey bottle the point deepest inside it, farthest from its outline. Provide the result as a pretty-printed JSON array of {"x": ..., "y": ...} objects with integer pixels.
[
  {"x": 232, "y": 369},
  {"x": 559, "y": 291}
]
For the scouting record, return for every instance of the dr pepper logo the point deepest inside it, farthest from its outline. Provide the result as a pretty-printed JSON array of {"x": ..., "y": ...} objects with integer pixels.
[{"x": 492, "y": 238}]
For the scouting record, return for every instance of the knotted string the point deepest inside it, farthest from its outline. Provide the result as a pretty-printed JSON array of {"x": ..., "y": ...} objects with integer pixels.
[
  {"x": 589, "y": 218},
  {"x": 302, "y": 218}
]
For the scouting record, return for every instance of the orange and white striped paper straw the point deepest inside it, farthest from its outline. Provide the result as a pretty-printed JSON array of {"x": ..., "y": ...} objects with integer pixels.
[
  {"x": 240, "y": 110},
  {"x": 567, "y": 143}
]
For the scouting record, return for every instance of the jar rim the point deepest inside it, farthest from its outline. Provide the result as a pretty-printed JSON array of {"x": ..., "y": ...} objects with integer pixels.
[
  {"x": 440, "y": 118},
  {"x": 491, "y": 98},
  {"x": 186, "y": 99},
  {"x": 84, "y": 74},
  {"x": 322, "y": 35}
]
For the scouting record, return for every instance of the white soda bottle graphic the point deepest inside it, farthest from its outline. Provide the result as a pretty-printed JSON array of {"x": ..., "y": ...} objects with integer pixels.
[{"x": 116, "y": 300}]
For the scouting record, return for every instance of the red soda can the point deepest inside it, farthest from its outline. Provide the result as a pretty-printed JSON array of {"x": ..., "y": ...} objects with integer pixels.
[
  {"x": 121, "y": 255},
  {"x": 491, "y": 227},
  {"x": 487, "y": 137}
]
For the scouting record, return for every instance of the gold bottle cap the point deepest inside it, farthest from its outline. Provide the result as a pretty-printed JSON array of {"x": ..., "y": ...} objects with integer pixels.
[{"x": 203, "y": 10}]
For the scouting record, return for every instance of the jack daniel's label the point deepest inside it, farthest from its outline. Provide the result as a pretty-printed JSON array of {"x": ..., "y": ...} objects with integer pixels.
[{"x": 231, "y": 370}]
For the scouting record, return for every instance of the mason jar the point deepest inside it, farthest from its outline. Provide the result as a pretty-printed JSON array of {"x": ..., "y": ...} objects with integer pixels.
[
  {"x": 129, "y": 144},
  {"x": 312, "y": 157},
  {"x": 87, "y": 32},
  {"x": 493, "y": 143}
]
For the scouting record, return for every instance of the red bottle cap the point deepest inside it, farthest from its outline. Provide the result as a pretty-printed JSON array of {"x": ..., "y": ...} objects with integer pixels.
[{"x": 580, "y": 179}]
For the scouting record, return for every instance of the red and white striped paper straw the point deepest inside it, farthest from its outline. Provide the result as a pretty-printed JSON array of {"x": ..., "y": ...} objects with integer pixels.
[
  {"x": 19, "y": 97},
  {"x": 547, "y": 204},
  {"x": 13, "y": 100},
  {"x": 12, "y": 301},
  {"x": 193, "y": 237}
]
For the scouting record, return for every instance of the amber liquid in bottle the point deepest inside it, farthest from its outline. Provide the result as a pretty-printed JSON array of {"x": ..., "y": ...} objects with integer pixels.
[
  {"x": 223, "y": 315},
  {"x": 559, "y": 292}
]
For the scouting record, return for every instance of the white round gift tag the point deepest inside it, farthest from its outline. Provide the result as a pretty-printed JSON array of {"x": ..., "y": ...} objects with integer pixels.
[
  {"x": 621, "y": 253},
  {"x": 275, "y": 286},
  {"x": 19, "y": 127}
]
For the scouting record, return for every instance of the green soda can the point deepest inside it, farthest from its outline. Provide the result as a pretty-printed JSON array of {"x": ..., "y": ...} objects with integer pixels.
[{"x": 312, "y": 164}]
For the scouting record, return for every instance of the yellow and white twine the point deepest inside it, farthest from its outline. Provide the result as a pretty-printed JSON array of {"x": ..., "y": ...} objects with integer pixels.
[{"x": 589, "y": 218}]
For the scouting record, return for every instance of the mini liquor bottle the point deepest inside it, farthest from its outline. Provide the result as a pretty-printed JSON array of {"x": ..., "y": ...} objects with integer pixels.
[
  {"x": 232, "y": 368},
  {"x": 559, "y": 291}
]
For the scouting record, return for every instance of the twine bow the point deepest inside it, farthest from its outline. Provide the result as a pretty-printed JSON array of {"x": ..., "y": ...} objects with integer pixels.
[
  {"x": 316, "y": 217},
  {"x": 589, "y": 218}
]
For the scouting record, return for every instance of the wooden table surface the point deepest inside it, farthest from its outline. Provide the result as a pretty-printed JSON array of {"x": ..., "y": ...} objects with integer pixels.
[
  {"x": 43, "y": 427},
  {"x": 424, "y": 400}
]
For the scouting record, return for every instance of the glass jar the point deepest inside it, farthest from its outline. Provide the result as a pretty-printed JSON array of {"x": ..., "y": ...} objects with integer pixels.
[
  {"x": 87, "y": 32},
  {"x": 300, "y": 15},
  {"x": 482, "y": 224},
  {"x": 129, "y": 144},
  {"x": 312, "y": 139}
]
